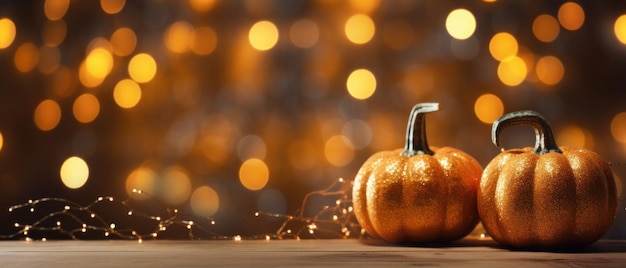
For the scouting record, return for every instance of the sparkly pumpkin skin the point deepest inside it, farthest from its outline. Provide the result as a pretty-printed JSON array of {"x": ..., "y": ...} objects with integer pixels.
[
  {"x": 545, "y": 197},
  {"x": 417, "y": 195}
]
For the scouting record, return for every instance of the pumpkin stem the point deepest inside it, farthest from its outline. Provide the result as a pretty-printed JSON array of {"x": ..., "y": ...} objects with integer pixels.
[
  {"x": 416, "y": 142},
  {"x": 544, "y": 139}
]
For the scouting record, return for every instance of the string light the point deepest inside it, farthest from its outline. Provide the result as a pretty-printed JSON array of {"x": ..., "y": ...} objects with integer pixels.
[
  {"x": 325, "y": 222},
  {"x": 89, "y": 222},
  {"x": 334, "y": 221}
]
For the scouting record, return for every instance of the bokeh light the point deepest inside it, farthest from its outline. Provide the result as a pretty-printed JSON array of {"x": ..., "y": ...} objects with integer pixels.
[
  {"x": 74, "y": 172},
  {"x": 64, "y": 82},
  {"x": 512, "y": 71},
  {"x": 1, "y": 141},
  {"x": 263, "y": 35},
  {"x": 571, "y": 16},
  {"x": 360, "y": 29},
  {"x": 361, "y": 84},
  {"x": 572, "y": 136},
  {"x": 123, "y": 41},
  {"x": 7, "y": 32},
  {"x": 55, "y": 9},
  {"x": 142, "y": 179},
  {"x": 461, "y": 24},
  {"x": 217, "y": 140},
  {"x": 54, "y": 32},
  {"x": 49, "y": 59},
  {"x": 339, "y": 150},
  {"x": 619, "y": 28},
  {"x": 488, "y": 108},
  {"x": 618, "y": 127},
  {"x": 175, "y": 185},
  {"x": 112, "y": 6},
  {"x": 203, "y": 40},
  {"x": 254, "y": 174},
  {"x": 202, "y": 5},
  {"x": 26, "y": 57},
  {"x": 204, "y": 201},
  {"x": 86, "y": 108},
  {"x": 85, "y": 77},
  {"x": 99, "y": 63},
  {"x": 503, "y": 46},
  {"x": 142, "y": 68},
  {"x": 127, "y": 93},
  {"x": 177, "y": 37},
  {"x": 550, "y": 70},
  {"x": 47, "y": 115},
  {"x": 546, "y": 28},
  {"x": 365, "y": 6},
  {"x": 304, "y": 33}
]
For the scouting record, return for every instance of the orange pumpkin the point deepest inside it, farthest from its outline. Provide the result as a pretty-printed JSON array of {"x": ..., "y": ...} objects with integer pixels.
[
  {"x": 417, "y": 194},
  {"x": 545, "y": 197}
]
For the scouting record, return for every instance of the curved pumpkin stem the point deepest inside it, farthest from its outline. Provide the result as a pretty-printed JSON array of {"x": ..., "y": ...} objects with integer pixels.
[
  {"x": 544, "y": 142},
  {"x": 416, "y": 142}
]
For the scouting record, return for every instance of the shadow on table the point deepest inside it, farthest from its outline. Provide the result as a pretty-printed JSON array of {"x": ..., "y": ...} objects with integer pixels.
[
  {"x": 466, "y": 242},
  {"x": 606, "y": 246}
]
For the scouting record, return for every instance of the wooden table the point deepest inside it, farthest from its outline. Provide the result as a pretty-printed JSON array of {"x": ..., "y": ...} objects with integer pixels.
[{"x": 290, "y": 253}]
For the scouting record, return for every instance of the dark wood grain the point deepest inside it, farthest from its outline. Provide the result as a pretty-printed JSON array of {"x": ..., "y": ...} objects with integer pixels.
[{"x": 290, "y": 253}]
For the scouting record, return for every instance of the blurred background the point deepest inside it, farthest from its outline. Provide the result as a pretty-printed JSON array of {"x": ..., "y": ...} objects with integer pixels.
[{"x": 225, "y": 108}]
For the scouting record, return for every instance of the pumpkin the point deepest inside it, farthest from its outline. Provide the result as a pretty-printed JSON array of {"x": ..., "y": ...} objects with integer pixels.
[
  {"x": 546, "y": 196},
  {"x": 417, "y": 194}
]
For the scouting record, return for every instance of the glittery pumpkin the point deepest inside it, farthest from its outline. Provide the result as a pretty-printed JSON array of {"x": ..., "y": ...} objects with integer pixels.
[
  {"x": 545, "y": 197},
  {"x": 417, "y": 194}
]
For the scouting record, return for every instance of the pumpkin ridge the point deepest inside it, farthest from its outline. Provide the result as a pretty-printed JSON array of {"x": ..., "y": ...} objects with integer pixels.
[
  {"x": 514, "y": 186},
  {"x": 385, "y": 193},
  {"x": 554, "y": 194},
  {"x": 579, "y": 159},
  {"x": 458, "y": 184},
  {"x": 422, "y": 191}
]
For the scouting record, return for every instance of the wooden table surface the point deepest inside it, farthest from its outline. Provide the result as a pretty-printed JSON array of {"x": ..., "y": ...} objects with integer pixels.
[{"x": 290, "y": 253}]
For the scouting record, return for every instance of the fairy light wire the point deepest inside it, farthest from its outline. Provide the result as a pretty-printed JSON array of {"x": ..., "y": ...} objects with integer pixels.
[
  {"x": 334, "y": 221},
  {"x": 81, "y": 215}
]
